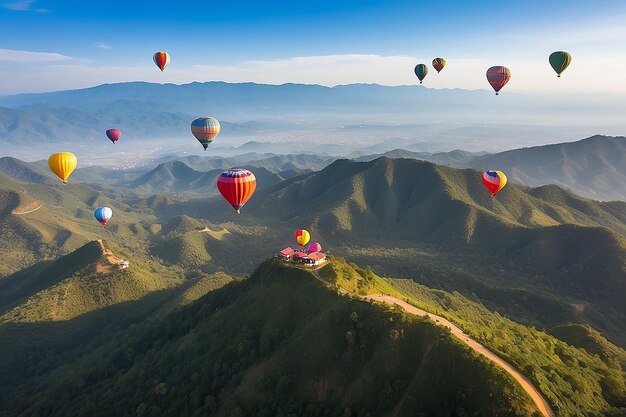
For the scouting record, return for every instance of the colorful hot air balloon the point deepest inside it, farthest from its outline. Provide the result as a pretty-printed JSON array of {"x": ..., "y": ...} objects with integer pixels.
[
  {"x": 205, "y": 129},
  {"x": 438, "y": 64},
  {"x": 161, "y": 59},
  {"x": 62, "y": 164},
  {"x": 494, "y": 181},
  {"x": 498, "y": 77},
  {"x": 421, "y": 71},
  {"x": 236, "y": 186},
  {"x": 314, "y": 247},
  {"x": 114, "y": 135},
  {"x": 103, "y": 214},
  {"x": 559, "y": 61},
  {"x": 302, "y": 237}
]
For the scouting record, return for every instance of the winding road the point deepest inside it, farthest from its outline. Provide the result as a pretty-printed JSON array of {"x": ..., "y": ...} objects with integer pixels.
[{"x": 525, "y": 383}]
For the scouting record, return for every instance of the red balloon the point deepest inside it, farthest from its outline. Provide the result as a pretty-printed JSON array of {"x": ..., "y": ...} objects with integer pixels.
[
  {"x": 236, "y": 186},
  {"x": 114, "y": 135},
  {"x": 161, "y": 59},
  {"x": 498, "y": 77}
]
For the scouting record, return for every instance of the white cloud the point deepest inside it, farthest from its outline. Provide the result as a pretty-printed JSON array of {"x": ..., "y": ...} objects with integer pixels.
[
  {"x": 103, "y": 45},
  {"x": 25, "y": 6},
  {"x": 530, "y": 74},
  {"x": 12, "y": 55}
]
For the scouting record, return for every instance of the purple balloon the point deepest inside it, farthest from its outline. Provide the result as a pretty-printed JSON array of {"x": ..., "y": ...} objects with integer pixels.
[{"x": 314, "y": 247}]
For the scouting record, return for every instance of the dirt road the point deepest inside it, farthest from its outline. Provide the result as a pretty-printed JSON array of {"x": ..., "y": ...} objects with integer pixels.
[{"x": 526, "y": 384}]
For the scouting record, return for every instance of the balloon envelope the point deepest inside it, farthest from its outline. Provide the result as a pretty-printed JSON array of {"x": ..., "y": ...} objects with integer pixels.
[
  {"x": 103, "y": 214},
  {"x": 62, "y": 164},
  {"x": 438, "y": 64},
  {"x": 421, "y": 70},
  {"x": 161, "y": 59},
  {"x": 236, "y": 186},
  {"x": 205, "y": 129},
  {"x": 302, "y": 237},
  {"x": 494, "y": 181},
  {"x": 498, "y": 77},
  {"x": 114, "y": 135},
  {"x": 314, "y": 247},
  {"x": 559, "y": 61}
]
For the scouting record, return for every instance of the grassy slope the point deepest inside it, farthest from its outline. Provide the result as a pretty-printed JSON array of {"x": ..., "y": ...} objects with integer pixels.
[
  {"x": 575, "y": 382},
  {"x": 278, "y": 344}
]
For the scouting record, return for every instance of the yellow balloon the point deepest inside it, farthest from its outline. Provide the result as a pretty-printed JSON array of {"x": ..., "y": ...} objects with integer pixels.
[{"x": 62, "y": 164}]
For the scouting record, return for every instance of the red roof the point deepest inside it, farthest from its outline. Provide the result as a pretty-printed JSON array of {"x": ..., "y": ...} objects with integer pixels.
[
  {"x": 299, "y": 254},
  {"x": 317, "y": 256},
  {"x": 287, "y": 251}
]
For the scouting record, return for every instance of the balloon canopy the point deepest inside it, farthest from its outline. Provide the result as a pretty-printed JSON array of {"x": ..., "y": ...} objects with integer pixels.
[
  {"x": 314, "y": 247},
  {"x": 62, "y": 164},
  {"x": 494, "y": 181},
  {"x": 161, "y": 59},
  {"x": 559, "y": 61},
  {"x": 498, "y": 76},
  {"x": 438, "y": 64},
  {"x": 205, "y": 129},
  {"x": 236, "y": 186},
  {"x": 114, "y": 135},
  {"x": 103, "y": 214},
  {"x": 421, "y": 70},
  {"x": 302, "y": 237}
]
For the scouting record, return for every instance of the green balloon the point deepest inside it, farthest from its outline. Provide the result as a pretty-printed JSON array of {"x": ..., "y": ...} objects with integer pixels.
[
  {"x": 421, "y": 70},
  {"x": 560, "y": 60}
]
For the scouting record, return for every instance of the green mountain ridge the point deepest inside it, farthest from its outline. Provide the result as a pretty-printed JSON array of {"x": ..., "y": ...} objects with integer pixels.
[{"x": 242, "y": 347}]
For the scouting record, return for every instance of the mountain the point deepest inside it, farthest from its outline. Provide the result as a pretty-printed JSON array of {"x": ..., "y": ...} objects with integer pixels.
[
  {"x": 40, "y": 222},
  {"x": 341, "y": 119},
  {"x": 86, "y": 280},
  {"x": 177, "y": 177},
  {"x": 278, "y": 343},
  {"x": 455, "y": 159},
  {"x": 409, "y": 218},
  {"x": 592, "y": 167}
]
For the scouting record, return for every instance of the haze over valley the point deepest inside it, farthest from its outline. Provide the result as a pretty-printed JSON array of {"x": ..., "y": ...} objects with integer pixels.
[{"x": 342, "y": 209}]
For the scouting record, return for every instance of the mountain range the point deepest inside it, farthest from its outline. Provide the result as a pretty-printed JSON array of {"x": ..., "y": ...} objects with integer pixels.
[
  {"x": 344, "y": 119},
  {"x": 201, "y": 323}
]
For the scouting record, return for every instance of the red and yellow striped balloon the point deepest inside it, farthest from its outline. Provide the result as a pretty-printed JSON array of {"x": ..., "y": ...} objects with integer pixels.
[{"x": 236, "y": 186}]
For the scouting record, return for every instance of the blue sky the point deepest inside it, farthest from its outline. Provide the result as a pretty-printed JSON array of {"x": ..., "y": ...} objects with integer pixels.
[{"x": 326, "y": 42}]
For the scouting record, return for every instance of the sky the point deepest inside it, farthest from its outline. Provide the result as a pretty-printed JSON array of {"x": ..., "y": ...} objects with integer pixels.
[{"x": 50, "y": 45}]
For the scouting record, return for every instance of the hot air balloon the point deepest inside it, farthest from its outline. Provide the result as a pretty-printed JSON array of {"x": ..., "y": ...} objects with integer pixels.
[
  {"x": 161, "y": 59},
  {"x": 421, "y": 71},
  {"x": 103, "y": 214},
  {"x": 205, "y": 129},
  {"x": 302, "y": 237},
  {"x": 236, "y": 186},
  {"x": 494, "y": 181},
  {"x": 438, "y": 64},
  {"x": 62, "y": 164},
  {"x": 314, "y": 247},
  {"x": 559, "y": 61},
  {"x": 114, "y": 135},
  {"x": 498, "y": 77}
]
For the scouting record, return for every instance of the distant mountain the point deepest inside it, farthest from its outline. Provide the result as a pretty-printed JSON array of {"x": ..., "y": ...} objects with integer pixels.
[
  {"x": 594, "y": 167},
  {"x": 161, "y": 112},
  {"x": 546, "y": 237},
  {"x": 455, "y": 159},
  {"x": 178, "y": 177}
]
